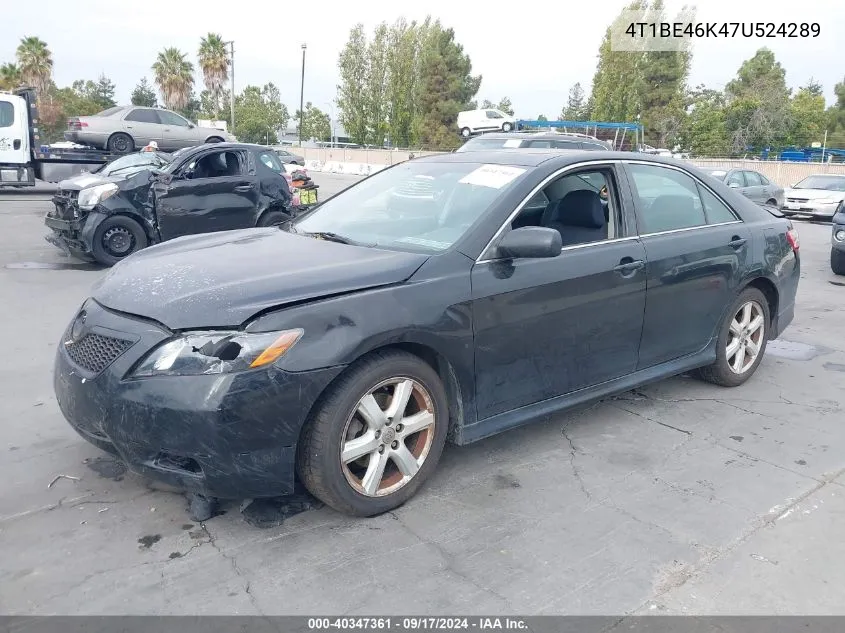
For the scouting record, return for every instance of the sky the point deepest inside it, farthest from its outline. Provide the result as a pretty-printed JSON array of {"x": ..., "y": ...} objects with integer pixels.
[{"x": 533, "y": 57}]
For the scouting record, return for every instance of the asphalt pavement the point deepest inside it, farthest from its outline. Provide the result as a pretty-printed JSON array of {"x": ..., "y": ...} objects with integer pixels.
[{"x": 681, "y": 497}]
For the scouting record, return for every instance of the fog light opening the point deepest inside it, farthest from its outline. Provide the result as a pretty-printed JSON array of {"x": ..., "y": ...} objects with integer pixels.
[{"x": 178, "y": 462}]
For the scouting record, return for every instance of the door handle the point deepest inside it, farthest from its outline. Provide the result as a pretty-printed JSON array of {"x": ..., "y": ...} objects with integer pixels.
[
  {"x": 737, "y": 242},
  {"x": 628, "y": 266},
  {"x": 243, "y": 188}
]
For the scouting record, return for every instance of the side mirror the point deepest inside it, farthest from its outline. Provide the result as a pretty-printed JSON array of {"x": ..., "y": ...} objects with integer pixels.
[
  {"x": 733, "y": 185},
  {"x": 530, "y": 241},
  {"x": 191, "y": 126}
]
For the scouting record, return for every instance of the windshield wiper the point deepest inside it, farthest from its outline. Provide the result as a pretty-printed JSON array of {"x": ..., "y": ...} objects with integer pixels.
[{"x": 333, "y": 237}]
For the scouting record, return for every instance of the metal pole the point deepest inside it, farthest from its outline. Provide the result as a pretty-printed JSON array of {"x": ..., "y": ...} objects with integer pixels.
[
  {"x": 824, "y": 145},
  {"x": 232, "y": 84},
  {"x": 302, "y": 96}
]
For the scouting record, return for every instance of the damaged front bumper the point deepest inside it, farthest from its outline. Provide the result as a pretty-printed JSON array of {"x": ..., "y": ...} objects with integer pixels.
[
  {"x": 224, "y": 435},
  {"x": 71, "y": 230}
]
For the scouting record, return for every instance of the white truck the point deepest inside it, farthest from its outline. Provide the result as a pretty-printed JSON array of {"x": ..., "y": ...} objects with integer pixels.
[{"x": 23, "y": 158}]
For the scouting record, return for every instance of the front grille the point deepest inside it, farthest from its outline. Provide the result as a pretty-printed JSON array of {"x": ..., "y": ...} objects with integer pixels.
[
  {"x": 94, "y": 352},
  {"x": 797, "y": 199},
  {"x": 66, "y": 204}
]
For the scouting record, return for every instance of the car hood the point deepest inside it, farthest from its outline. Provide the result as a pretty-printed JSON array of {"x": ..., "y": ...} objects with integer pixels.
[
  {"x": 223, "y": 279},
  {"x": 83, "y": 181},
  {"x": 814, "y": 194}
]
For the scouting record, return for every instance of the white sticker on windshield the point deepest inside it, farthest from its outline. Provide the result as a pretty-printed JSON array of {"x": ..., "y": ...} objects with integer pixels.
[
  {"x": 424, "y": 242},
  {"x": 512, "y": 142},
  {"x": 493, "y": 176}
]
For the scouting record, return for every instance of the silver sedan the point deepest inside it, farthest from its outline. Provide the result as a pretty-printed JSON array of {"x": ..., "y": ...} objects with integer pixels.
[{"x": 751, "y": 184}]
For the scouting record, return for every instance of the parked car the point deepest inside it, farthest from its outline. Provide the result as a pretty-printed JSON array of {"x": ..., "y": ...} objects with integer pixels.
[
  {"x": 349, "y": 343},
  {"x": 837, "y": 245},
  {"x": 289, "y": 158},
  {"x": 124, "y": 128},
  {"x": 205, "y": 189},
  {"x": 818, "y": 196},
  {"x": 534, "y": 140},
  {"x": 751, "y": 184},
  {"x": 486, "y": 120}
]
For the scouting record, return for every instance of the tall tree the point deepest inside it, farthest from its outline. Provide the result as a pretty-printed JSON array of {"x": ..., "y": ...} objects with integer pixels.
[
  {"x": 377, "y": 99},
  {"x": 505, "y": 105},
  {"x": 446, "y": 87},
  {"x": 315, "y": 123},
  {"x": 260, "y": 114},
  {"x": 174, "y": 76},
  {"x": 616, "y": 82},
  {"x": 10, "y": 76},
  {"x": 836, "y": 117},
  {"x": 759, "y": 113},
  {"x": 403, "y": 43},
  {"x": 662, "y": 82},
  {"x": 704, "y": 131},
  {"x": 575, "y": 109},
  {"x": 103, "y": 92},
  {"x": 144, "y": 95},
  {"x": 36, "y": 63},
  {"x": 353, "y": 100},
  {"x": 214, "y": 63},
  {"x": 809, "y": 120}
]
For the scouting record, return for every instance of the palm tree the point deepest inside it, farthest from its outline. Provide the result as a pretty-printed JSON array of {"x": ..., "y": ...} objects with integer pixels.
[
  {"x": 174, "y": 76},
  {"x": 214, "y": 62},
  {"x": 10, "y": 77},
  {"x": 35, "y": 62}
]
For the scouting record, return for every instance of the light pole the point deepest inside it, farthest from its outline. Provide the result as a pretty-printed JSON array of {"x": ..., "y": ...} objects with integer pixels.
[
  {"x": 331, "y": 122},
  {"x": 302, "y": 96},
  {"x": 232, "y": 83}
]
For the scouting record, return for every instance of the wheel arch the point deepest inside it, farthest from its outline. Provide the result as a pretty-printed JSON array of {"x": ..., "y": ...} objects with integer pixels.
[{"x": 770, "y": 291}]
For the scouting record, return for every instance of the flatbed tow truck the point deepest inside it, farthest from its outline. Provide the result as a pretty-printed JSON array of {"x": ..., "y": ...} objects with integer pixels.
[{"x": 23, "y": 158}]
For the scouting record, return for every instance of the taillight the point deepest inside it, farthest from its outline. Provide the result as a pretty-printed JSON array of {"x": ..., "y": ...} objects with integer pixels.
[{"x": 792, "y": 238}]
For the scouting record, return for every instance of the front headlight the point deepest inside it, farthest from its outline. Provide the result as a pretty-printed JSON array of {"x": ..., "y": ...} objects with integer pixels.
[
  {"x": 839, "y": 235},
  {"x": 92, "y": 196},
  {"x": 828, "y": 200},
  {"x": 216, "y": 352}
]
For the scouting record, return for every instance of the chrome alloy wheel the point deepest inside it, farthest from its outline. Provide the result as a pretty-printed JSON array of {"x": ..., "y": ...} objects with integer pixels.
[
  {"x": 745, "y": 338},
  {"x": 388, "y": 437}
]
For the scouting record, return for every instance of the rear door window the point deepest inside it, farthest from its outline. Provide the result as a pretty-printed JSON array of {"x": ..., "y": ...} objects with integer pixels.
[
  {"x": 142, "y": 115},
  {"x": 668, "y": 199},
  {"x": 752, "y": 178},
  {"x": 567, "y": 145},
  {"x": 271, "y": 161}
]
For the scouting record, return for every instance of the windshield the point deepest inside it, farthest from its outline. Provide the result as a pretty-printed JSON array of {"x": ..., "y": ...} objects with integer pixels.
[
  {"x": 134, "y": 163},
  {"x": 415, "y": 206},
  {"x": 830, "y": 183}
]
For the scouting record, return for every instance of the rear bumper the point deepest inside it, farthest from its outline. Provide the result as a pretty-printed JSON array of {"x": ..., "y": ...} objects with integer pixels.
[
  {"x": 819, "y": 211},
  {"x": 86, "y": 138}
]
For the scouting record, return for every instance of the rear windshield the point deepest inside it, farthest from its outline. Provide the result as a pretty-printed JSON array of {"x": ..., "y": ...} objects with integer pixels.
[
  {"x": 482, "y": 143},
  {"x": 110, "y": 111}
]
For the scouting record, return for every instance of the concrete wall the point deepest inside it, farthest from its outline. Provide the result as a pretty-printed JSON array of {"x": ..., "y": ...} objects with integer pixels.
[{"x": 363, "y": 162}]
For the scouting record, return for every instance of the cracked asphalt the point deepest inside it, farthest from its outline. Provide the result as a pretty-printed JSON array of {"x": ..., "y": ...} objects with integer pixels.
[{"x": 680, "y": 497}]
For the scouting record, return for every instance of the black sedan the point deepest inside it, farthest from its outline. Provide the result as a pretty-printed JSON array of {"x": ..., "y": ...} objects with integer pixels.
[
  {"x": 350, "y": 343},
  {"x": 107, "y": 217}
]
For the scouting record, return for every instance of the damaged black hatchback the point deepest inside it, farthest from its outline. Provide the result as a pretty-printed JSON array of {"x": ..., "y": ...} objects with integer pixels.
[{"x": 109, "y": 215}]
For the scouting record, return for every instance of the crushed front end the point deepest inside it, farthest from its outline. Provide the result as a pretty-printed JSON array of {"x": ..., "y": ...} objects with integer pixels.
[{"x": 67, "y": 224}]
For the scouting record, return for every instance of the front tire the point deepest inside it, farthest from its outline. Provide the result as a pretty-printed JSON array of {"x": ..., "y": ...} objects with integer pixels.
[
  {"x": 214, "y": 139},
  {"x": 120, "y": 143},
  {"x": 466, "y": 132},
  {"x": 507, "y": 127},
  {"x": 837, "y": 261},
  {"x": 742, "y": 341},
  {"x": 272, "y": 218},
  {"x": 116, "y": 238},
  {"x": 376, "y": 435}
]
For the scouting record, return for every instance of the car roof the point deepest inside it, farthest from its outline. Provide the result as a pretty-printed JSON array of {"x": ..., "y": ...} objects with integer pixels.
[
  {"x": 532, "y": 157},
  {"x": 535, "y": 135},
  {"x": 242, "y": 146}
]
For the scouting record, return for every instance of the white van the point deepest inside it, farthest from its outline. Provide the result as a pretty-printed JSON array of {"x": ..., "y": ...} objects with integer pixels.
[{"x": 474, "y": 121}]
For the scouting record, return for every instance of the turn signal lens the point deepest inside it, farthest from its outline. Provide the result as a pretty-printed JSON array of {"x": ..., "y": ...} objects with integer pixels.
[{"x": 277, "y": 348}]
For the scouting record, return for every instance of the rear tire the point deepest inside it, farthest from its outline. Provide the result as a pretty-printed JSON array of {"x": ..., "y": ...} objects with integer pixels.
[
  {"x": 507, "y": 127},
  {"x": 389, "y": 454},
  {"x": 837, "y": 261},
  {"x": 738, "y": 337},
  {"x": 116, "y": 238},
  {"x": 120, "y": 143},
  {"x": 214, "y": 139},
  {"x": 272, "y": 218}
]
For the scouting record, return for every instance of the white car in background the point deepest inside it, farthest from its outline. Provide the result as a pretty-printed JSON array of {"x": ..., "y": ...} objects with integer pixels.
[
  {"x": 819, "y": 195},
  {"x": 487, "y": 120}
]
